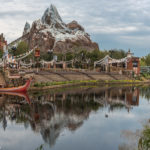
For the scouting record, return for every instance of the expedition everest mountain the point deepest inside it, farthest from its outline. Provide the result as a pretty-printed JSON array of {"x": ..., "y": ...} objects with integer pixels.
[{"x": 51, "y": 33}]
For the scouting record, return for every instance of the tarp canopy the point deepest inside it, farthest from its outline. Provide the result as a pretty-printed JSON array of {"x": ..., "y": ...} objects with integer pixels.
[{"x": 108, "y": 60}]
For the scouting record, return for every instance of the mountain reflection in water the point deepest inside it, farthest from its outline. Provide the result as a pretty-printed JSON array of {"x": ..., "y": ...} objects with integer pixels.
[{"x": 50, "y": 113}]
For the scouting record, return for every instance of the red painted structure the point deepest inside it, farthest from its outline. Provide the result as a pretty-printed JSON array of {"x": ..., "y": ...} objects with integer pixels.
[
  {"x": 37, "y": 53},
  {"x": 20, "y": 94},
  {"x": 17, "y": 89},
  {"x": 133, "y": 64},
  {"x": 3, "y": 42}
]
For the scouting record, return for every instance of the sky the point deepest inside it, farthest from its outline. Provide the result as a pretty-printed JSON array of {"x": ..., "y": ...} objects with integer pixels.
[{"x": 120, "y": 24}]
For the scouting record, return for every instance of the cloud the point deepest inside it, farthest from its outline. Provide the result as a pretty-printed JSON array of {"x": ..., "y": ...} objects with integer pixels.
[{"x": 123, "y": 21}]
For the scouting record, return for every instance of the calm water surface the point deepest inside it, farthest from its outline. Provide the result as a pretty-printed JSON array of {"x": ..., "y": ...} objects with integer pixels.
[{"x": 83, "y": 118}]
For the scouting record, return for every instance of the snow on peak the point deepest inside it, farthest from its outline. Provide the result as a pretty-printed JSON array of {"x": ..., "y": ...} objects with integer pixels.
[
  {"x": 52, "y": 25},
  {"x": 55, "y": 12},
  {"x": 51, "y": 16},
  {"x": 58, "y": 29}
]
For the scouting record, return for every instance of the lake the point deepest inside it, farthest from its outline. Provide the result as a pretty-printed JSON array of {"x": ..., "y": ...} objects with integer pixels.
[{"x": 75, "y": 118}]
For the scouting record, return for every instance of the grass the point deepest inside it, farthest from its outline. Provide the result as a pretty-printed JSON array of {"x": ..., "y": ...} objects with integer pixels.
[
  {"x": 124, "y": 81},
  {"x": 146, "y": 75},
  {"x": 46, "y": 84}
]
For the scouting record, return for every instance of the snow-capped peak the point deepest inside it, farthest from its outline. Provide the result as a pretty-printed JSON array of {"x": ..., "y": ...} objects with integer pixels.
[
  {"x": 51, "y": 16},
  {"x": 55, "y": 12},
  {"x": 51, "y": 31},
  {"x": 26, "y": 28}
]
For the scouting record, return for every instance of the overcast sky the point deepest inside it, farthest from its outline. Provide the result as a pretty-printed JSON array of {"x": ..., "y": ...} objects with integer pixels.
[{"x": 111, "y": 23}]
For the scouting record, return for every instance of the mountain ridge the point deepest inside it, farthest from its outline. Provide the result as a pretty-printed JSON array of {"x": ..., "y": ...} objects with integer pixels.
[{"x": 51, "y": 33}]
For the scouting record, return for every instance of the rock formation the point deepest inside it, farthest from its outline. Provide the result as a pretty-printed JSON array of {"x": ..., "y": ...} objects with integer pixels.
[
  {"x": 51, "y": 33},
  {"x": 26, "y": 28}
]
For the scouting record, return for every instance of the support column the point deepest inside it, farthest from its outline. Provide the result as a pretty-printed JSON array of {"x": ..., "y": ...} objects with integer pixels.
[
  {"x": 54, "y": 66},
  {"x": 64, "y": 65}
]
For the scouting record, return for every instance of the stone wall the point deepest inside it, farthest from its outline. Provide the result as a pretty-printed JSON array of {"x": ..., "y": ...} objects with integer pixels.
[{"x": 68, "y": 76}]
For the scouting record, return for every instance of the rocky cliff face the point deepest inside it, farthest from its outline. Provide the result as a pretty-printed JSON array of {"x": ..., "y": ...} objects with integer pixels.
[
  {"x": 26, "y": 28},
  {"x": 51, "y": 33}
]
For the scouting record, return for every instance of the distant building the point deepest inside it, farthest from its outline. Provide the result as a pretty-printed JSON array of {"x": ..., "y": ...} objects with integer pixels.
[
  {"x": 3, "y": 42},
  {"x": 129, "y": 64},
  {"x": 133, "y": 63}
]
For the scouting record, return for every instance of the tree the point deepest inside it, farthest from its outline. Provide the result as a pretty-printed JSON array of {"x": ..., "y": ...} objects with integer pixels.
[
  {"x": 21, "y": 48},
  {"x": 117, "y": 54},
  {"x": 1, "y": 53},
  {"x": 69, "y": 56},
  {"x": 147, "y": 60},
  {"x": 59, "y": 56},
  {"x": 142, "y": 62},
  {"x": 96, "y": 55},
  {"x": 47, "y": 56},
  {"x": 144, "y": 141}
]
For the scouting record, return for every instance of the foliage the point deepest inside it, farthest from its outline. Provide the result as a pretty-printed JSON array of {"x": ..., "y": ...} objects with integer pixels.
[
  {"x": 142, "y": 62},
  {"x": 82, "y": 55},
  {"x": 144, "y": 141},
  {"x": 117, "y": 54},
  {"x": 60, "y": 57},
  {"x": 145, "y": 75},
  {"x": 145, "y": 61},
  {"x": 41, "y": 147},
  {"x": 116, "y": 106},
  {"x": 21, "y": 48},
  {"x": 47, "y": 56},
  {"x": 145, "y": 92},
  {"x": 43, "y": 84},
  {"x": 96, "y": 55},
  {"x": 1, "y": 53},
  {"x": 122, "y": 81},
  {"x": 69, "y": 56},
  {"x": 65, "y": 56},
  {"x": 82, "y": 58}
]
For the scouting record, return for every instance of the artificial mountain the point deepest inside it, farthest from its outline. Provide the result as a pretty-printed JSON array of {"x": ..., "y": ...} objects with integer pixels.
[{"x": 50, "y": 33}]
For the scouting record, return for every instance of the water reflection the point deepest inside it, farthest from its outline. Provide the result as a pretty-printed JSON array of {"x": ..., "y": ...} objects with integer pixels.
[
  {"x": 145, "y": 92},
  {"x": 50, "y": 113}
]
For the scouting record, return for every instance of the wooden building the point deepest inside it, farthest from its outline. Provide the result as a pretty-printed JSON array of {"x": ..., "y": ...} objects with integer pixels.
[
  {"x": 127, "y": 65},
  {"x": 54, "y": 64}
]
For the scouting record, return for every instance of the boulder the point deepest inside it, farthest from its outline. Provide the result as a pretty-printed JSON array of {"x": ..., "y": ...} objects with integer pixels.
[{"x": 75, "y": 26}]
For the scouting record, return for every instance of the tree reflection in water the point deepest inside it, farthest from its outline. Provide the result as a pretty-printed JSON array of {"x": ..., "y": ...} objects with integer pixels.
[
  {"x": 145, "y": 92},
  {"x": 50, "y": 113},
  {"x": 144, "y": 141},
  {"x": 139, "y": 140}
]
